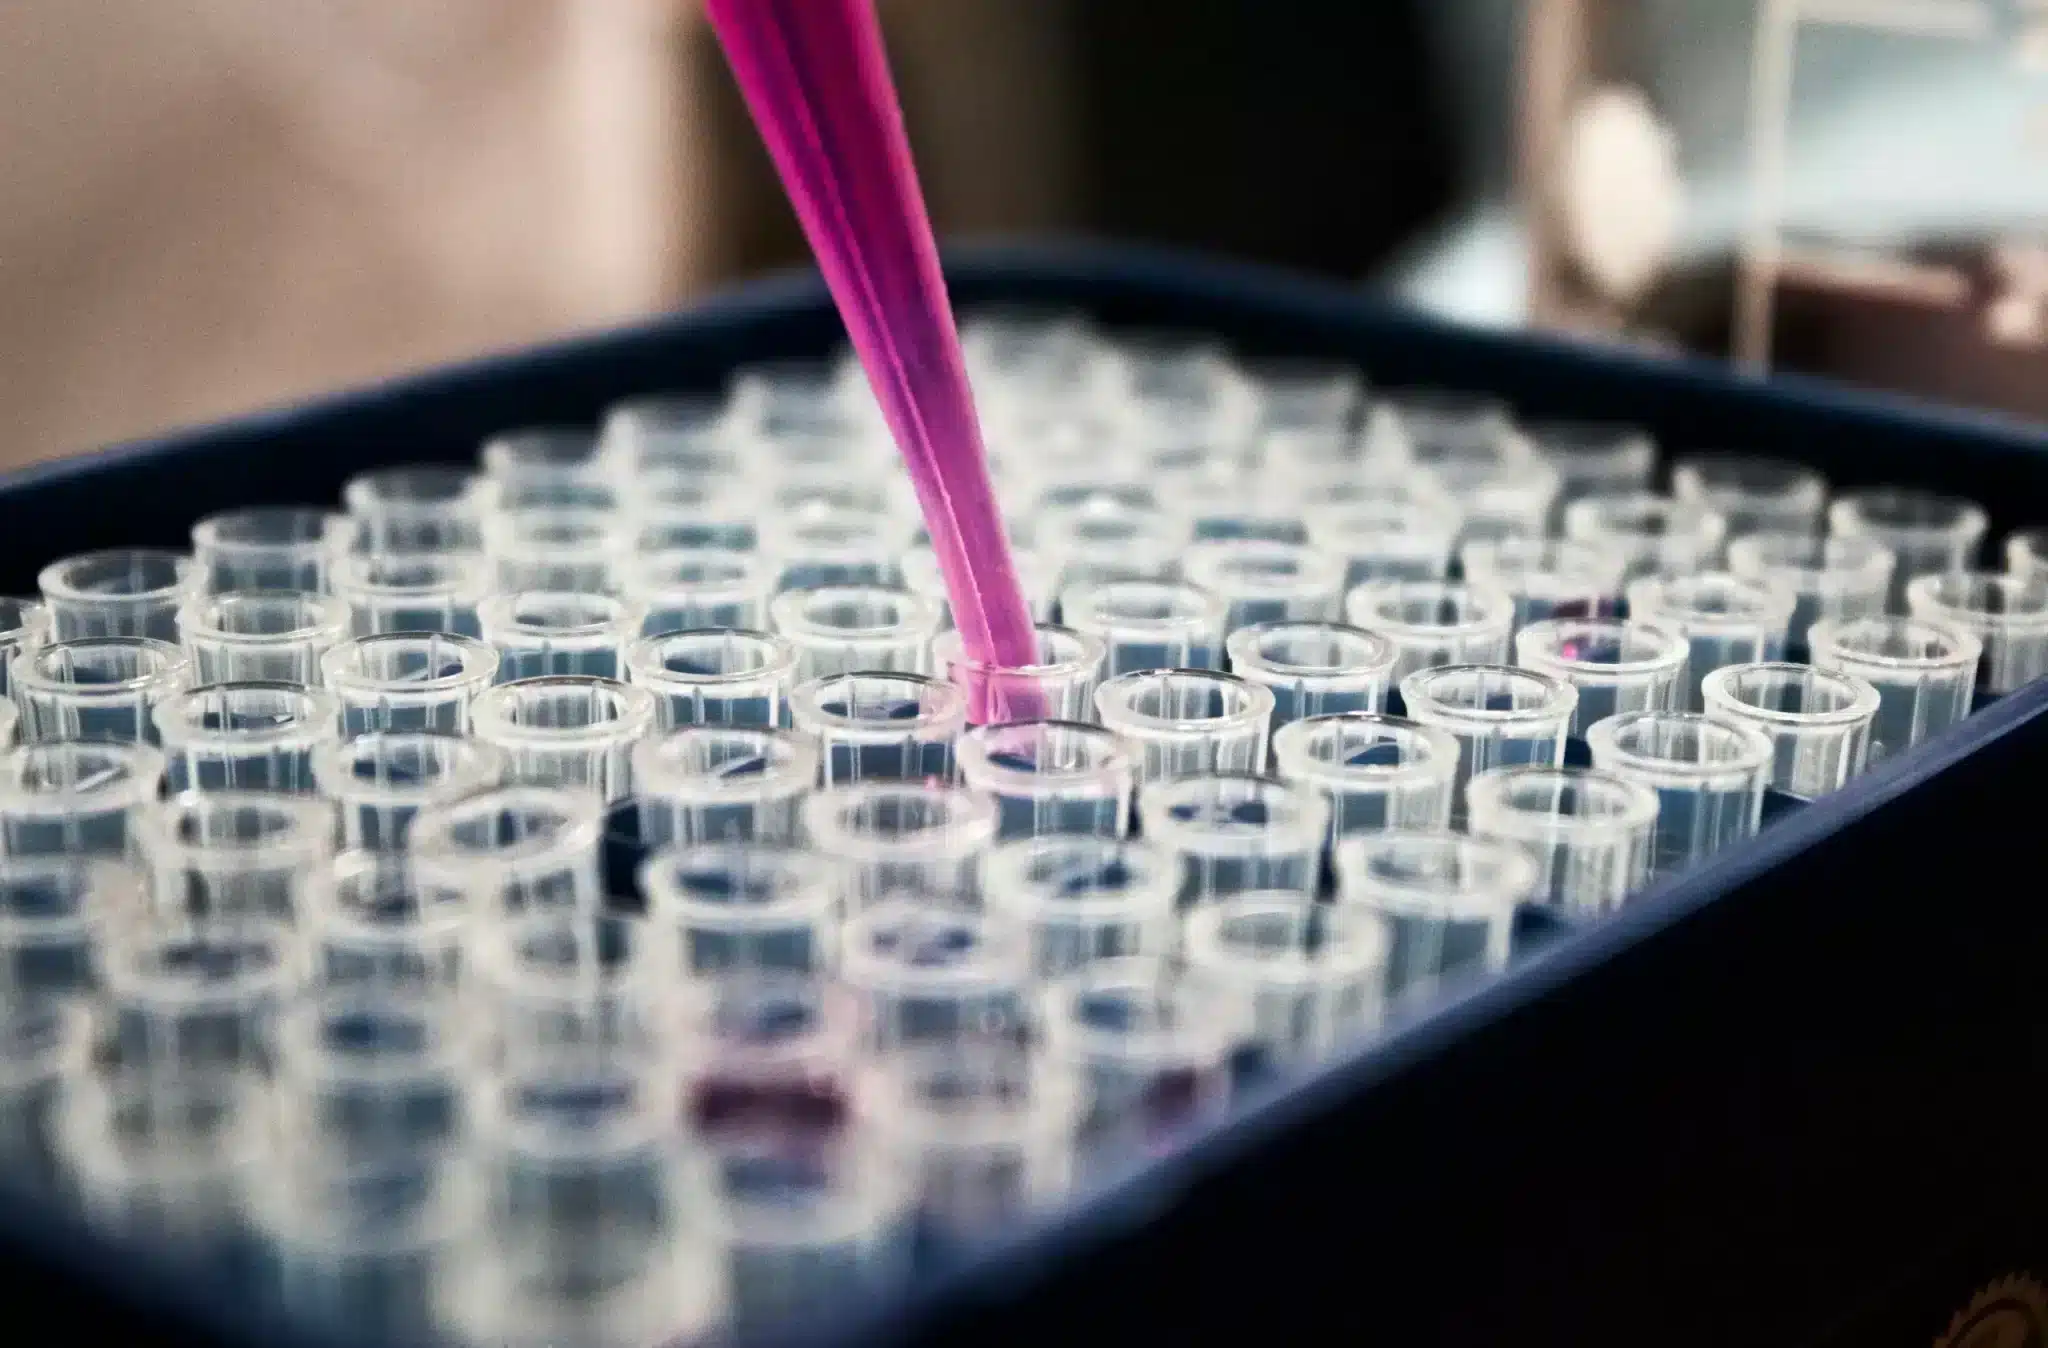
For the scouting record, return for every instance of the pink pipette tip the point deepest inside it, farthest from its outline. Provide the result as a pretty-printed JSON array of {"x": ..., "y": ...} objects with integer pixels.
[{"x": 816, "y": 79}]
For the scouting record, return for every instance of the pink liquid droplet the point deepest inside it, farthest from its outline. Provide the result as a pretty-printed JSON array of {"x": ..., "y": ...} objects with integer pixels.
[{"x": 816, "y": 80}]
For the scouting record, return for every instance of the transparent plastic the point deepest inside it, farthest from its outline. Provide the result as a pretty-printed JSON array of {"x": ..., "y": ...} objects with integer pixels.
[
  {"x": 236, "y": 854},
  {"x": 419, "y": 508},
  {"x": 1261, "y": 581},
  {"x": 57, "y": 914},
  {"x": 1307, "y": 394},
  {"x": 861, "y": 628},
  {"x": 24, "y": 625},
  {"x": 1313, "y": 668},
  {"x": 566, "y": 731},
  {"x": 1818, "y": 720},
  {"x": 1234, "y": 834},
  {"x": 1500, "y": 716},
  {"x": 1594, "y": 458},
  {"x": 1434, "y": 622},
  {"x": 1394, "y": 538},
  {"x": 676, "y": 1292},
  {"x": 354, "y": 1243},
  {"x": 193, "y": 996},
  {"x": 1547, "y": 577},
  {"x": 715, "y": 676},
  {"x": 2007, "y": 613},
  {"x": 538, "y": 633},
  {"x": 550, "y": 466},
  {"x": 373, "y": 1072},
  {"x": 123, "y": 592},
  {"x": 408, "y": 681},
  {"x": 1059, "y": 684},
  {"x": 164, "y": 1162},
  {"x": 1429, "y": 427},
  {"x": 825, "y": 546},
  {"x": 1148, "y": 624},
  {"x": 1616, "y": 666},
  {"x": 1152, "y": 1051},
  {"x": 382, "y": 779},
  {"x": 1925, "y": 674},
  {"x": 38, "y": 1049},
  {"x": 1509, "y": 496},
  {"x": 1833, "y": 579},
  {"x": 1653, "y": 535},
  {"x": 1929, "y": 534},
  {"x": 1187, "y": 722},
  {"x": 1592, "y": 833},
  {"x": 382, "y": 923},
  {"x": 693, "y": 433},
  {"x": 702, "y": 784},
  {"x": 1726, "y": 620},
  {"x": 1049, "y": 777},
  {"x": 267, "y": 548},
  {"x": 810, "y": 1232},
  {"x": 515, "y": 848},
  {"x": 806, "y": 493},
  {"x": 881, "y": 726},
  {"x": 672, "y": 510},
  {"x": 687, "y": 589},
  {"x": 586, "y": 1230},
  {"x": 1102, "y": 540},
  {"x": 768, "y": 1064},
  {"x": 577, "y": 548},
  {"x": 1448, "y": 901},
  {"x": 75, "y": 798},
  {"x": 1754, "y": 495},
  {"x": 901, "y": 838},
  {"x": 1709, "y": 777},
  {"x": 97, "y": 688},
  {"x": 985, "y": 1127},
  {"x": 928, "y": 970},
  {"x": 413, "y": 592},
  {"x": 744, "y": 906},
  {"x": 558, "y": 979},
  {"x": 2026, "y": 552},
  {"x": 1377, "y": 772},
  {"x": 782, "y": 404},
  {"x": 259, "y": 636},
  {"x": 245, "y": 736},
  {"x": 1083, "y": 899},
  {"x": 1314, "y": 975}
]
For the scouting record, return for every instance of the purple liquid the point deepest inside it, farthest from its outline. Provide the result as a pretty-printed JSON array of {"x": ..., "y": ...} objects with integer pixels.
[
  {"x": 816, "y": 80},
  {"x": 791, "y": 1110}
]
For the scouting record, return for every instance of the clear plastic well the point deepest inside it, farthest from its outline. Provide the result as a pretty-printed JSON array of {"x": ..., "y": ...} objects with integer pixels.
[
  {"x": 97, "y": 688},
  {"x": 703, "y": 784},
  {"x": 1617, "y": 666},
  {"x": 1592, "y": 832},
  {"x": 1049, "y": 777},
  {"x": 1925, "y": 674},
  {"x": 1709, "y": 777},
  {"x": 1188, "y": 722},
  {"x": 1235, "y": 834},
  {"x": 1448, "y": 901},
  {"x": 715, "y": 676},
  {"x": 1818, "y": 720}
]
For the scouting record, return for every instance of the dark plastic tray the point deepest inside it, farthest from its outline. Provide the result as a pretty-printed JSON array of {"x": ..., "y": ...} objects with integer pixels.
[{"x": 1793, "y": 1098}]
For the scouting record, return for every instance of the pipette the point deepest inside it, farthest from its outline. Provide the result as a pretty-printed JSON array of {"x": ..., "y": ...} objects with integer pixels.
[{"x": 816, "y": 78}]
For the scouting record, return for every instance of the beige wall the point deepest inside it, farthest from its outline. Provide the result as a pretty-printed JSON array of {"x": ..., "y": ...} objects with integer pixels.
[{"x": 207, "y": 205}]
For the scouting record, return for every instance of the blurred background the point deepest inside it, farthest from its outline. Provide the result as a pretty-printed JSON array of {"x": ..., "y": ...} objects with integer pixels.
[{"x": 208, "y": 206}]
